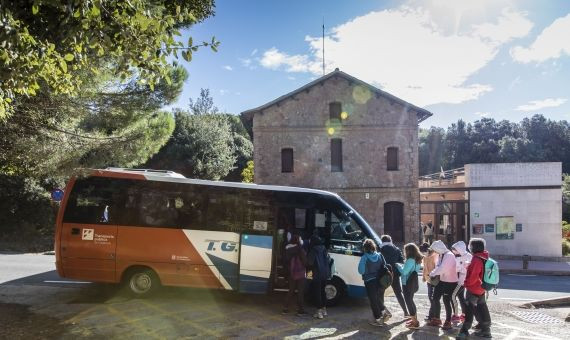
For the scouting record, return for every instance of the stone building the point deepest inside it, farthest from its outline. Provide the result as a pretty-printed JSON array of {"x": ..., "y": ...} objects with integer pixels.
[{"x": 341, "y": 134}]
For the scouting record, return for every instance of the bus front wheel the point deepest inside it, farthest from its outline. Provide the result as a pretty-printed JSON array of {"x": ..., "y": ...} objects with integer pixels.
[
  {"x": 142, "y": 282},
  {"x": 334, "y": 291}
]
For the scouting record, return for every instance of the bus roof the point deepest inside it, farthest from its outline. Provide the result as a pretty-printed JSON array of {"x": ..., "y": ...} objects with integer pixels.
[{"x": 170, "y": 176}]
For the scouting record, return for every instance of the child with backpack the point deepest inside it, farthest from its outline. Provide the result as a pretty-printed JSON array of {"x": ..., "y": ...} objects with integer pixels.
[
  {"x": 481, "y": 269},
  {"x": 462, "y": 259},
  {"x": 297, "y": 263},
  {"x": 371, "y": 266},
  {"x": 409, "y": 276},
  {"x": 446, "y": 270}
]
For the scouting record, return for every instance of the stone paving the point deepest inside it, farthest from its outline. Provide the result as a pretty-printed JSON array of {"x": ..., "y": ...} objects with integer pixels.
[{"x": 97, "y": 312}]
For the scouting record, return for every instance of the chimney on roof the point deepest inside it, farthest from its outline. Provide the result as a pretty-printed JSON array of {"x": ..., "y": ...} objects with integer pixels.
[{"x": 337, "y": 69}]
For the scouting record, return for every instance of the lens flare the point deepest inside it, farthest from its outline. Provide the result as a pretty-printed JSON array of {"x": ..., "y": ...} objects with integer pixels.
[
  {"x": 330, "y": 131},
  {"x": 361, "y": 94},
  {"x": 343, "y": 115}
]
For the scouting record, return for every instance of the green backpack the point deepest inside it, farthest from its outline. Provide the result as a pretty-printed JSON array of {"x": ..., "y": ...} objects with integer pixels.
[{"x": 490, "y": 279}]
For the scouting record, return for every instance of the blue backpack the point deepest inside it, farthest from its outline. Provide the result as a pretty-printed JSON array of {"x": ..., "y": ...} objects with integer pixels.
[{"x": 490, "y": 279}]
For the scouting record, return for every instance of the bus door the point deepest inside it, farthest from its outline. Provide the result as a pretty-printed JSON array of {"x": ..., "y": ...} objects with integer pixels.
[
  {"x": 255, "y": 263},
  {"x": 290, "y": 221},
  {"x": 89, "y": 236}
]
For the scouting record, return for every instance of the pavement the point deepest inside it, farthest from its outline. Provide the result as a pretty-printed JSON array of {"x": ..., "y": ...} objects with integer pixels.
[
  {"x": 36, "y": 303},
  {"x": 535, "y": 267}
]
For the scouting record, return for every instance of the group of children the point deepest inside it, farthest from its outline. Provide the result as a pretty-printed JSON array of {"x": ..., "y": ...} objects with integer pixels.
[{"x": 452, "y": 275}]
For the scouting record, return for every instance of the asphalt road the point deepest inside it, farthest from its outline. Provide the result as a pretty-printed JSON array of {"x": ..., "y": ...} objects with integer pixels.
[
  {"x": 39, "y": 269},
  {"x": 36, "y": 303}
]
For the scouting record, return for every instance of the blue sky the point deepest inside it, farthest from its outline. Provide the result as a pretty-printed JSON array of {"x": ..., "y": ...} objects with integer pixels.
[{"x": 503, "y": 59}]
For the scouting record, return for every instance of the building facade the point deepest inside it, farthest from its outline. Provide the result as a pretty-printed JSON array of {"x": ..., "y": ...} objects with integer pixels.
[
  {"x": 340, "y": 134},
  {"x": 515, "y": 207}
]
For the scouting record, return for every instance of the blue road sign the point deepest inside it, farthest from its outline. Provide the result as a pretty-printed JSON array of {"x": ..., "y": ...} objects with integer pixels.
[{"x": 57, "y": 195}]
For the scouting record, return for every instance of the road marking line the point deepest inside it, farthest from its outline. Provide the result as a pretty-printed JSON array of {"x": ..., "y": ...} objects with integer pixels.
[
  {"x": 54, "y": 281},
  {"x": 544, "y": 336},
  {"x": 521, "y": 299},
  {"x": 521, "y": 275}
]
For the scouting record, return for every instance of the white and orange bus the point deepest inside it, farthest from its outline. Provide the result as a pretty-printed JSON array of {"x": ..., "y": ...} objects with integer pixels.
[{"x": 148, "y": 228}]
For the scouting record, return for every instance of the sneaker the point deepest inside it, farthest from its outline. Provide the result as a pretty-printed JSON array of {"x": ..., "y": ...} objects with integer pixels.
[
  {"x": 318, "y": 314},
  {"x": 446, "y": 326},
  {"x": 462, "y": 318},
  {"x": 477, "y": 327},
  {"x": 462, "y": 334},
  {"x": 455, "y": 319},
  {"x": 386, "y": 315},
  {"x": 324, "y": 310},
  {"x": 483, "y": 334},
  {"x": 378, "y": 322},
  {"x": 301, "y": 313},
  {"x": 413, "y": 324},
  {"x": 285, "y": 311},
  {"x": 434, "y": 322}
]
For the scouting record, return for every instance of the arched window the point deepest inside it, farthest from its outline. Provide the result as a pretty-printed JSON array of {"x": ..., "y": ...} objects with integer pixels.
[
  {"x": 287, "y": 160},
  {"x": 392, "y": 159}
]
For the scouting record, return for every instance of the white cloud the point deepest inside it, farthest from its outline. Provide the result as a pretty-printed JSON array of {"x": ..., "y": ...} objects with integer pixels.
[
  {"x": 223, "y": 92},
  {"x": 534, "y": 105},
  {"x": 405, "y": 52},
  {"x": 228, "y": 67},
  {"x": 483, "y": 114},
  {"x": 254, "y": 52},
  {"x": 552, "y": 43},
  {"x": 290, "y": 77}
]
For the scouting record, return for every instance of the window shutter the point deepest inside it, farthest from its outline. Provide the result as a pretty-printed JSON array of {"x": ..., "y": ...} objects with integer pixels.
[
  {"x": 287, "y": 160},
  {"x": 336, "y": 155},
  {"x": 392, "y": 159},
  {"x": 334, "y": 110}
]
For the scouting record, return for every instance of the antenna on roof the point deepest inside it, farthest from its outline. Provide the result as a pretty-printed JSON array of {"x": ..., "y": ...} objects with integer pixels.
[{"x": 323, "y": 46}]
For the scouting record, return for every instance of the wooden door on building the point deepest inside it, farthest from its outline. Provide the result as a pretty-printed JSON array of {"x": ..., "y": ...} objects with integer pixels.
[{"x": 394, "y": 220}]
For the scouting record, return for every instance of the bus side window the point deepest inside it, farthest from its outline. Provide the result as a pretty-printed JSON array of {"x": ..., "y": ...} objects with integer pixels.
[
  {"x": 258, "y": 211},
  {"x": 96, "y": 200},
  {"x": 223, "y": 210},
  {"x": 160, "y": 204}
]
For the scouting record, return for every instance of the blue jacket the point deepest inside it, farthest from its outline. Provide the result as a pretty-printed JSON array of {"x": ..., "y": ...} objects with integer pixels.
[
  {"x": 410, "y": 267},
  {"x": 369, "y": 266}
]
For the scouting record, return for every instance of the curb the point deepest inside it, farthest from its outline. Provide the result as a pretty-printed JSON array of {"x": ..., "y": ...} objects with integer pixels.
[
  {"x": 535, "y": 272},
  {"x": 548, "y": 302}
]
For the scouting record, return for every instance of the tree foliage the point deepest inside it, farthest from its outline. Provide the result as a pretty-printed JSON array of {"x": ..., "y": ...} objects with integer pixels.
[
  {"x": 247, "y": 173},
  {"x": 109, "y": 123},
  {"x": 534, "y": 139},
  {"x": 46, "y": 43},
  {"x": 206, "y": 144}
]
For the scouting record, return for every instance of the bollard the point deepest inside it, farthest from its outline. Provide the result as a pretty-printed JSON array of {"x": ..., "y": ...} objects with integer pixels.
[{"x": 525, "y": 259}]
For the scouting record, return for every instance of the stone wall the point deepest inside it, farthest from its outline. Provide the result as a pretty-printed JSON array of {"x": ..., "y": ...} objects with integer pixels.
[{"x": 373, "y": 123}]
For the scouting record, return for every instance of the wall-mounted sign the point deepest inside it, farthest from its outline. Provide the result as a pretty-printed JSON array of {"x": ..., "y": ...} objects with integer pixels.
[
  {"x": 489, "y": 228},
  {"x": 518, "y": 227},
  {"x": 477, "y": 229},
  {"x": 505, "y": 227}
]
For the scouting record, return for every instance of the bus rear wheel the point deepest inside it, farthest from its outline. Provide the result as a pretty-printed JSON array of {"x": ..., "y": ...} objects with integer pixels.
[
  {"x": 334, "y": 290},
  {"x": 142, "y": 282}
]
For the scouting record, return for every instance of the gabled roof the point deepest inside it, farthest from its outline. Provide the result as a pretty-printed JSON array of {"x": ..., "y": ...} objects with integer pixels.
[{"x": 423, "y": 114}]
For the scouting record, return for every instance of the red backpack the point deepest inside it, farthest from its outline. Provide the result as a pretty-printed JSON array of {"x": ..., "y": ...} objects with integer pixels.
[{"x": 296, "y": 268}]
